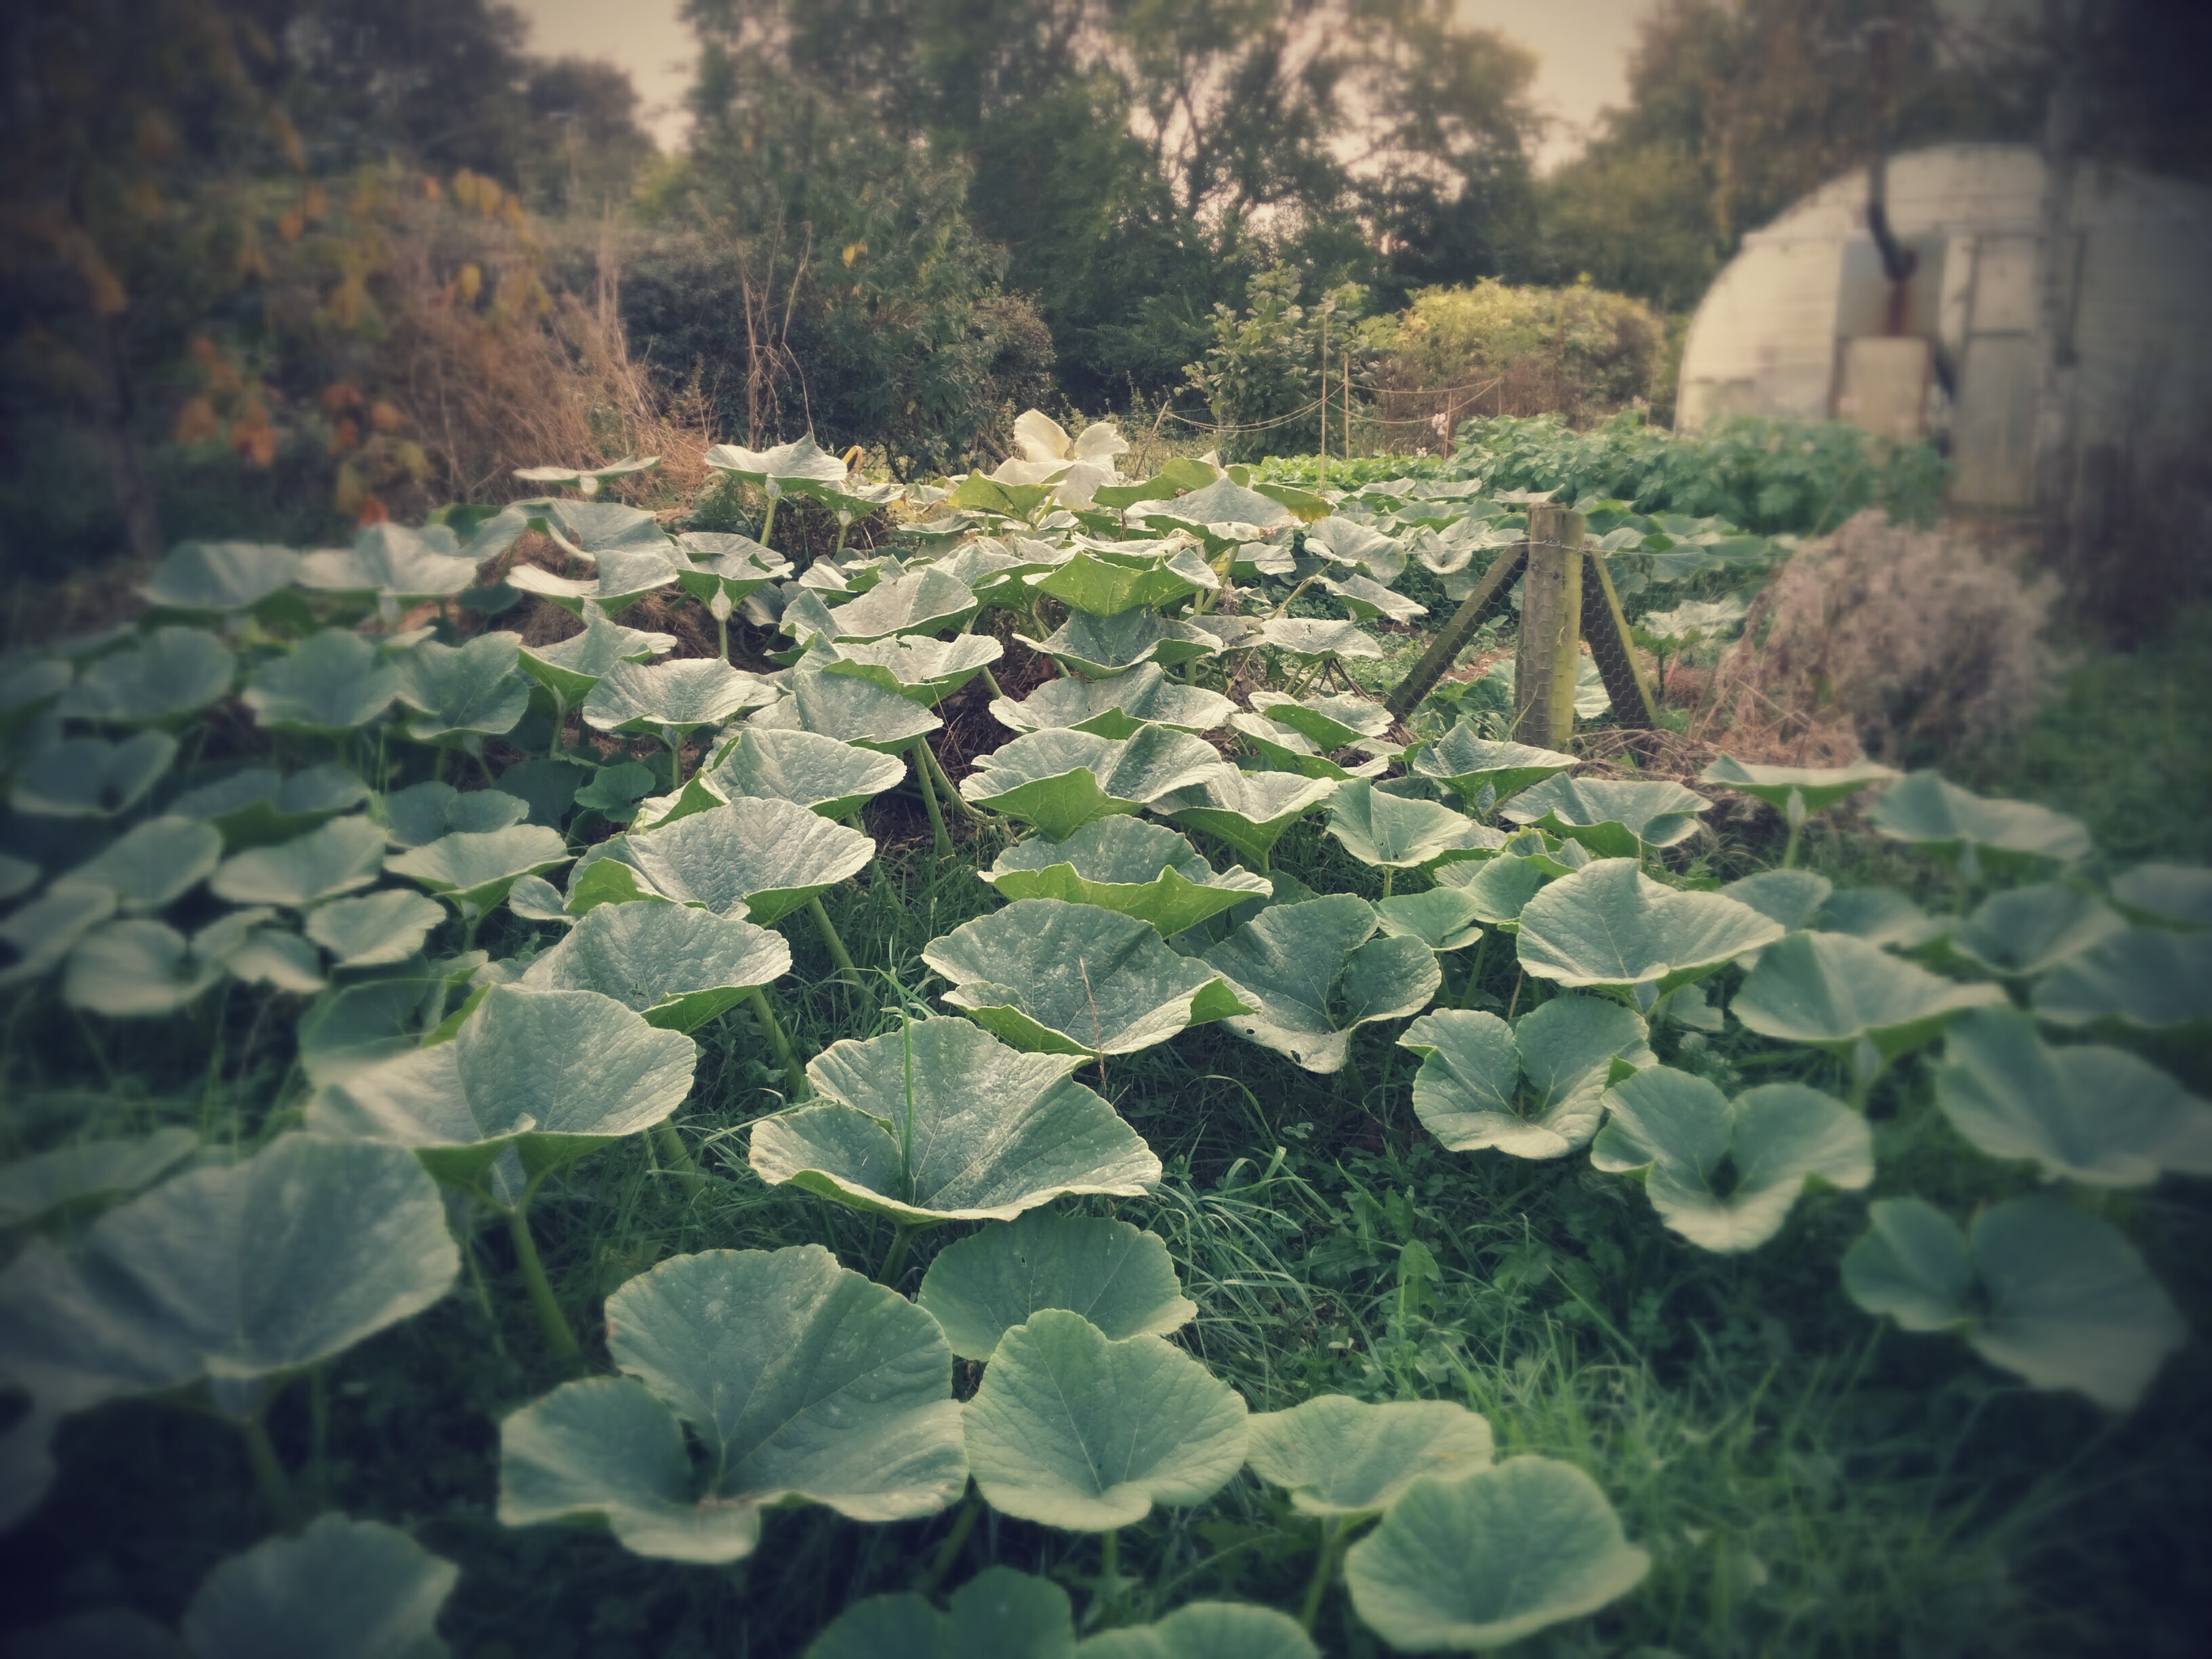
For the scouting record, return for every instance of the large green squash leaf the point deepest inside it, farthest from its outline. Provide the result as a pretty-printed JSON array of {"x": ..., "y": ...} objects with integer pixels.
[
  {"x": 477, "y": 868},
  {"x": 1312, "y": 639},
  {"x": 1468, "y": 1091},
  {"x": 1610, "y": 926},
  {"x": 1927, "y": 810},
  {"x": 422, "y": 812},
  {"x": 1074, "y": 1430},
  {"x": 1312, "y": 974},
  {"x": 1074, "y": 979},
  {"x": 1341, "y": 1457},
  {"x": 468, "y": 689},
  {"x": 800, "y": 462},
  {"x": 1395, "y": 832},
  {"x": 2025, "y": 932},
  {"x": 1613, "y": 819},
  {"x": 916, "y": 666},
  {"x": 825, "y": 776},
  {"x": 136, "y": 970},
  {"x": 678, "y": 966},
  {"x": 220, "y": 576},
  {"x": 234, "y": 1273},
  {"x": 2179, "y": 895},
  {"x": 340, "y": 856},
  {"x": 1725, "y": 1173},
  {"x": 1286, "y": 748},
  {"x": 571, "y": 667},
  {"x": 375, "y": 930},
  {"x": 847, "y": 707},
  {"x": 1249, "y": 810},
  {"x": 90, "y": 777},
  {"x": 1103, "y": 579},
  {"x": 1466, "y": 763},
  {"x": 677, "y": 696},
  {"x": 1113, "y": 1276},
  {"x": 40, "y": 934},
  {"x": 1060, "y": 779},
  {"x": 2147, "y": 977},
  {"x": 1330, "y": 722},
  {"x": 1833, "y": 991},
  {"x": 552, "y": 1073},
  {"x": 155, "y": 863},
  {"x": 1116, "y": 707},
  {"x": 798, "y": 1380},
  {"x": 999, "y": 1612},
  {"x": 332, "y": 681},
  {"x": 341, "y": 1589},
  {"x": 1814, "y": 787},
  {"x": 940, "y": 1122},
  {"x": 1118, "y": 863},
  {"x": 620, "y": 577},
  {"x": 257, "y": 804},
  {"x": 34, "y": 1187},
  {"x": 2037, "y": 1287},
  {"x": 1208, "y": 1630},
  {"x": 169, "y": 673},
  {"x": 927, "y": 602},
  {"x": 768, "y": 857},
  {"x": 2090, "y": 1114},
  {"x": 1485, "y": 1560},
  {"x": 391, "y": 561},
  {"x": 1104, "y": 647}
]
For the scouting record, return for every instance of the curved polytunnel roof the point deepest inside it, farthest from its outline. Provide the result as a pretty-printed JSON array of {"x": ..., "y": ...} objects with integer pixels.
[{"x": 1772, "y": 336}]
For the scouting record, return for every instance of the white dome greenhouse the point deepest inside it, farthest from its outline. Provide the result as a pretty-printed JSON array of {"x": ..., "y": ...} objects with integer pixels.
[{"x": 1804, "y": 322}]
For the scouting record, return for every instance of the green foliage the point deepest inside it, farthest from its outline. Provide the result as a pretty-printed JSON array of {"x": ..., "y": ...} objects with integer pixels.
[{"x": 1768, "y": 475}]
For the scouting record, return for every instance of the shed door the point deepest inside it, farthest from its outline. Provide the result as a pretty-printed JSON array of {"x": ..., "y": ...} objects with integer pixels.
[{"x": 1992, "y": 430}]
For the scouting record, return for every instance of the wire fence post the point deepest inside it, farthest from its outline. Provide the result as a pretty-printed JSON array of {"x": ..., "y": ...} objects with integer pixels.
[{"x": 1551, "y": 625}]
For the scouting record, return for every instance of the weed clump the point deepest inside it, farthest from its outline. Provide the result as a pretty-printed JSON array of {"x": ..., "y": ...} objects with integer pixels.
[{"x": 1905, "y": 644}]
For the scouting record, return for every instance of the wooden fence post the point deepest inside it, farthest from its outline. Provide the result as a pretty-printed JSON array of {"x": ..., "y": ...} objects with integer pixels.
[{"x": 1545, "y": 665}]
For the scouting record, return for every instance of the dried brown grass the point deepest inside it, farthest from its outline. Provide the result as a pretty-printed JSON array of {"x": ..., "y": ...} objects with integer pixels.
[
  {"x": 1907, "y": 645},
  {"x": 541, "y": 377}
]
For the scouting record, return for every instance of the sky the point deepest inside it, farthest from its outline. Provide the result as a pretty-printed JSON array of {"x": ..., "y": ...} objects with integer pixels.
[{"x": 1581, "y": 46}]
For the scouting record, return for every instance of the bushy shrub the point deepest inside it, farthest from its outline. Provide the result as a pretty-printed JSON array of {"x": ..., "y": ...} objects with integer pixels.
[{"x": 1577, "y": 352}]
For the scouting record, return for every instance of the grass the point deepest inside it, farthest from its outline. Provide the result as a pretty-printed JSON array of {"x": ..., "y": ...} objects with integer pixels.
[{"x": 1807, "y": 1481}]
